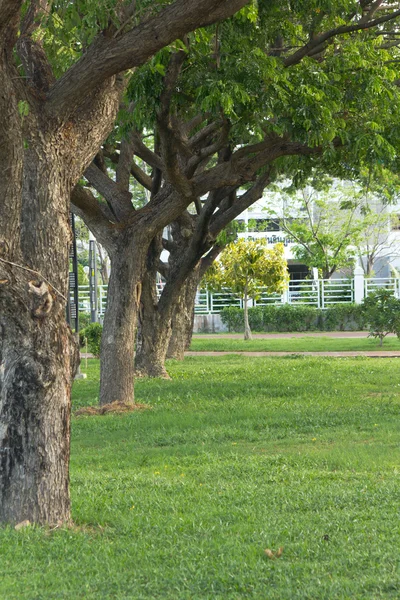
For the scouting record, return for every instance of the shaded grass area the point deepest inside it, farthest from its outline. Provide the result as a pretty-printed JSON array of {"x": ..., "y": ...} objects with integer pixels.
[
  {"x": 295, "y": 344},
  {"x": 237, "y": 455}
]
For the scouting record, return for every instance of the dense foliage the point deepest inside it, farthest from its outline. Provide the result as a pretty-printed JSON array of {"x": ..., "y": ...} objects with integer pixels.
[
  {"x": 92, "y": 333},
  {"x": 296, "y": 317},
  {"x": 381, "y": 311}
]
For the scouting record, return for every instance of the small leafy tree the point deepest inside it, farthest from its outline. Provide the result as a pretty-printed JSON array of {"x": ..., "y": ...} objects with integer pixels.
[
  {"x": 382, "y": 313},
  {"x": 245, "y": 266}
]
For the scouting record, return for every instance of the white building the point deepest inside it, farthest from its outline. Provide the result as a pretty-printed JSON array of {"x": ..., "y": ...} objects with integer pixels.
[{"x": 380, "y": 244}]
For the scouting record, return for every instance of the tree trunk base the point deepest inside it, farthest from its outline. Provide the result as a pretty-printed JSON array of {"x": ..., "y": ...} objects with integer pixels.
[
  {"x": 176, "y": 354},
  {"x": 153, "y": 372}
]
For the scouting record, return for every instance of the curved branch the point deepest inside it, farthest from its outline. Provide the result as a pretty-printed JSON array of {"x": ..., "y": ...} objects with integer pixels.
[
  {"x": 320, "y": 39},
  {"x": 108, "y": 56},
  {"x": 85, "y": 205}
]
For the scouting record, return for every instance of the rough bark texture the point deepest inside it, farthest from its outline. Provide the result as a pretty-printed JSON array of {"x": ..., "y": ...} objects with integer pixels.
[
  {"x": 183, "y": 317},
  {"x": 152, "y": 344},
  {"x": 38, "y": 356},
  {"x": 154, "y": 332},
  {"x": 37, "y": 361},
  {"x": 119, "y": 328}
]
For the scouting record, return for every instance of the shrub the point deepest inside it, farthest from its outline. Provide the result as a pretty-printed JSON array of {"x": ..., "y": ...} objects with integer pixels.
[
  {"x": 343, "y": 317},
  {"x": 233, "y": 318},
  {"x": 93, "y": 335},
  {"x": 382, "y": 313},
  {"x": 296, "y": 317},
  {"x": 84, "y": 320},
  {"x": 290, "y": 317}
]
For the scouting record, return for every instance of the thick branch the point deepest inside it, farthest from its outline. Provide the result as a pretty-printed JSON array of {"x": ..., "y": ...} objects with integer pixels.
[
  {"x": 242, "y": 169},
  {"x": 108, "y": 56},
  {"x": 224, "y": 217},
  {"x": 123, "y": 167},
  {"x": 120, "y": 200},
  {"x": 84, "y": 204},
  {"x": 140, "y": 176},
  {"x": 31, "y": 52},
  {"x": 143, "y": 152},
  {"x": 209, "y": 258}
]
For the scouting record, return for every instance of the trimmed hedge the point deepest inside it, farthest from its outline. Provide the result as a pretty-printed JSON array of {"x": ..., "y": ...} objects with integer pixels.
[{"x": 300, "y": 317}]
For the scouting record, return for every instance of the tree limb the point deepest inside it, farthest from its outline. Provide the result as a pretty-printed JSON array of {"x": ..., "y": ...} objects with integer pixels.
[
  {"x": 31, "y": 53},
  {"x": 222, "y": 218},
  {"x": 85, "y": 205},
  {"x": 321, "y": 38},
  {"x": 107, "y": 56},
  {"x": 119, "y": 200}
]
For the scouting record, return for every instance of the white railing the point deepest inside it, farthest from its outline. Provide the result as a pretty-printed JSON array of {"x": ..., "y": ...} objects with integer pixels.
[
  {"x": 319, "y": 293},
  {"x": 378, "y": 283}
]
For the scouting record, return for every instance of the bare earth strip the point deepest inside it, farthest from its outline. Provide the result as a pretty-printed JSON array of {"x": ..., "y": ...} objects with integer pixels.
[
  {"x": 275, "y": 336},
  {"x": 367, "y": 353}
]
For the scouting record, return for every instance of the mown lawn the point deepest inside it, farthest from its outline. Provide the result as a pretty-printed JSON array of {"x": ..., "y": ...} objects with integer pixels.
[
  {"x": 235, "y": 456},
  {"x": 293, "y": 344}
]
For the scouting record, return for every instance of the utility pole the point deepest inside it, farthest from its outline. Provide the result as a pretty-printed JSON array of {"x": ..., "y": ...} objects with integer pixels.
[{"x": 93, "y": 279}]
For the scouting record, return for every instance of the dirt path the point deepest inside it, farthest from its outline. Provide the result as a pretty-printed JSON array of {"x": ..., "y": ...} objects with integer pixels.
[
  {"x": 275, "y": 336},
  {"x": 366, "y": 353}
]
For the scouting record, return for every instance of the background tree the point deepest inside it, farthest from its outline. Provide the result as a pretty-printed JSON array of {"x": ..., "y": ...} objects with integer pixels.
[
  {"x": 63, "y": 70},
  {"x": 326, "y": 224},
  {"x": 244, "y": 266},
  {"x": 382, "y": 313},
  {"x": 220, "y": 120},
  {"x": 377, "y": 240}
]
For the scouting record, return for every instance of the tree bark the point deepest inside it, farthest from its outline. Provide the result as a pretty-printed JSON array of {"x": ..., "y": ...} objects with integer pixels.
[
  {"x": 183, "y": 317},
  {"x": 247, "y": 330},
  {"x": 38, "y": 355},
  {"x": 120, "y": 319},
  {"x": 154, "y": 333},
  {"x": 38, "y": 359}
]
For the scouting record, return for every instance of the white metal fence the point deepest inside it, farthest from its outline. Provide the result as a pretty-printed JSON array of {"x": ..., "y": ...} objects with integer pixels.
[{"x": 319, "y": 293}]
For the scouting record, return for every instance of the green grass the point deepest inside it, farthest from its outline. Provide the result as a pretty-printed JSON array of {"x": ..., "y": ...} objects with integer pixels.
[
  {"x": 293, "y": 344},
  {"x": 236, "y": 455}
]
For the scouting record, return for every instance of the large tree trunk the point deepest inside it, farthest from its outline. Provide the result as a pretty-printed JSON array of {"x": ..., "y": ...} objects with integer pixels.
[
  {"x": 120, "y": 319},
  {"x": 154, "y": 333},
  {"x": 183, "y": 317},
  {"x": 38, "y": 357},
  {"x": 37, "y": 366}
]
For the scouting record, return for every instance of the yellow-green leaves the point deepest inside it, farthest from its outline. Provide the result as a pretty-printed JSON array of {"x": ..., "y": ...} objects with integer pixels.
[{"x": 248, "y": 265}]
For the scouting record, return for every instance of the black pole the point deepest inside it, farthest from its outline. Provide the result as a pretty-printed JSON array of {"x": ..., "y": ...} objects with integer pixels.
[
  {"x": 72, "y": 302},
  {"x": 93, "y": 281}
]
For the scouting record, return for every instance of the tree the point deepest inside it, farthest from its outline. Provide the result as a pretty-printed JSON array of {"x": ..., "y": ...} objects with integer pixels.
[
  {"x": 244, "y": 267},
  {"x": 381, "y": 311},
  {"x": 226, "y": 112},
  {"x": 63, "y": 71},
  {"x": 326, "y": 224},
  {"x": 377, "y": 240}
]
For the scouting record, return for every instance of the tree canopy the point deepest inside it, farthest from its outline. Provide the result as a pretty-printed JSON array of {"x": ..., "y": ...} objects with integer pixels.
[{"x": 244, "y": 267}]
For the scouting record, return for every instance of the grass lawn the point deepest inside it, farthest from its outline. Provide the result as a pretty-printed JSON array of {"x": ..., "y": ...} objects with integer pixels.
[
  {"x": 294, "y": 344},
  {"x": 236, "y": 455}
]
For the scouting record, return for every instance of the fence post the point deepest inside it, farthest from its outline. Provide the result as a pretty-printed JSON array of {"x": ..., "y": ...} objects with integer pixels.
[
  {"x": 359, "y": 289},
  {"x": 285, "y": 296}
]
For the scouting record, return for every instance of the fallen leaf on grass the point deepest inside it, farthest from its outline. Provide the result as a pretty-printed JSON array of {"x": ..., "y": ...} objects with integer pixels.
[{"x": 272, "y": 555}]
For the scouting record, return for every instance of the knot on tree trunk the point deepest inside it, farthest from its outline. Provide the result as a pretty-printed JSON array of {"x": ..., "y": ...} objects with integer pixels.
[{"x": 42, "y": 299}]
